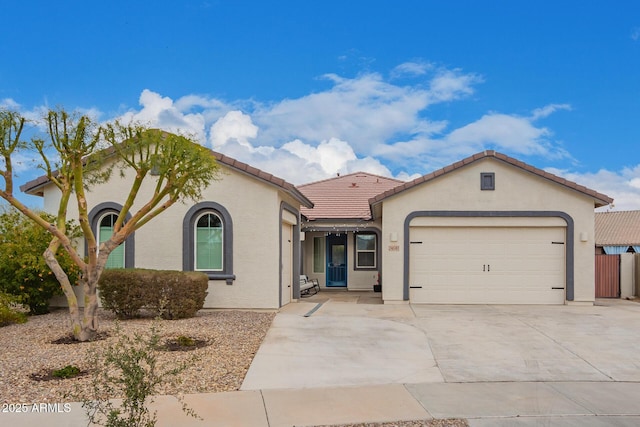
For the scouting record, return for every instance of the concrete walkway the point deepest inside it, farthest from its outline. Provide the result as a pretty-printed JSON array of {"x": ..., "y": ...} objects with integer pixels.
[
  {"x": 483, "y": 404},
  {"x": 334, "y": 361}
]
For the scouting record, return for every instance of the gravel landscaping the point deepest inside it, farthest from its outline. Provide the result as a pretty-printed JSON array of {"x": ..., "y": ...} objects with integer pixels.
[{"x": 29, "y": 355}]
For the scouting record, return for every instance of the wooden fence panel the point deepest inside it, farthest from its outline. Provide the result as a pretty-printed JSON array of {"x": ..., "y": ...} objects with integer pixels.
[{"x": 607, "y": 276}]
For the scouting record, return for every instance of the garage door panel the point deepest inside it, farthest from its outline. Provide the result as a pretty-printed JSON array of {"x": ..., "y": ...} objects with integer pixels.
[{"x": 489, "y": 265}]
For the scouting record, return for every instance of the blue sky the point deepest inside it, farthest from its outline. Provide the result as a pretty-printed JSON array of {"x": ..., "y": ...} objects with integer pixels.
[{"x": 307, "y": 89}]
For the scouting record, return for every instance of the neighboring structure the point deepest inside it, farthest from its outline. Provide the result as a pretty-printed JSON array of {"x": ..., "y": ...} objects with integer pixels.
[
  {"x": 617, "y": 232},
  {"x": 617, "y": 248},
  {"x": 487, "y": 229},
  {"x": 244, "y": 233}
]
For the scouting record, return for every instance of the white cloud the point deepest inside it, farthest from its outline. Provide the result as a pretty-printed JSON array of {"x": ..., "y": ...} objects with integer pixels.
[
  {"x": 417, "y": 68},
  {"x": 9, "y": 104},
  {"x": 365, "y": 122},
  {"x": 300, "y": 163},
  {"x": 366, "y": 111},
  {"x": 623, "y": 186},
  {"x": 635, "y": 34},
  {"x": 516, "y": 134},
  {"x": 449, "y": 85},
  {"x": 510, "y": 133},
  {"x": 161, "y": 112},
  {"x": 234, "y": 125},
  {"x": 547, "y": 110}
]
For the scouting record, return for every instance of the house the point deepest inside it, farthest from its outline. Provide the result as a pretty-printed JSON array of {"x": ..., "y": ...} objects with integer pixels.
[
  {"x": 617, "y": 232},
  {"x": 617, "y": 248},
  {"x": 487, "y": 229},
  {"x": 251, "y": 219}
]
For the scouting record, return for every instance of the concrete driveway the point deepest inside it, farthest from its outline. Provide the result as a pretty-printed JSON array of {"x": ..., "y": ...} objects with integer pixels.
[{"x": 347, "y": 344}]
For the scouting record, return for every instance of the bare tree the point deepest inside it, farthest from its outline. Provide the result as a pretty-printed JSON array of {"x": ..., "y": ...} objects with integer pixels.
[{"x": 78, "y": 154}]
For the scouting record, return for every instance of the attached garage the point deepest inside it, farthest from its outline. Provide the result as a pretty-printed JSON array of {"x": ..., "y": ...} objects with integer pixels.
[
  {"x": 488, "y": 229},
  {"x": 464, "y": 264}
]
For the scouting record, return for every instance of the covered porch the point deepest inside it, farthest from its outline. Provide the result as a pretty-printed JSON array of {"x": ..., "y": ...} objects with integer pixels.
[{"x": 342, "y": 259}]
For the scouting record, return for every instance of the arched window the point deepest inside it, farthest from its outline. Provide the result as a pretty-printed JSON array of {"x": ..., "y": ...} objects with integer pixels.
[
  {"x": 209, "y": 237},
  {"x": 207, "y": 243},
  {"x": 102, "y": 219},
  {"x": 105, "y": 231}
]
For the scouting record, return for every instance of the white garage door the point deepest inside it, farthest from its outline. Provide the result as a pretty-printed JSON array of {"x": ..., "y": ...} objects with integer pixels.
[{"x": 487, "y": 265}]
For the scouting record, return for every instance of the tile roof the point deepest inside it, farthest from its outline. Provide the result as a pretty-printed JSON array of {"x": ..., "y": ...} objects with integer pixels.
[
  {"x": 599, "y": 198},
  {"x": 34, "y": 187},
  {"x": 618, "y": 228},
  {"x": 345, "y": 197}
]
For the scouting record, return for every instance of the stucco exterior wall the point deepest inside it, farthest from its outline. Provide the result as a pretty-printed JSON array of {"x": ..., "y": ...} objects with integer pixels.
[
  {"x": 515, "y": 190},
  {"x": 254, "y": 208}
]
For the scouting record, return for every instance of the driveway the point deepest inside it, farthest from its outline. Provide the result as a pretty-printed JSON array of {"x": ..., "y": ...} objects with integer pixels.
[{"x": 348, "y": 344}]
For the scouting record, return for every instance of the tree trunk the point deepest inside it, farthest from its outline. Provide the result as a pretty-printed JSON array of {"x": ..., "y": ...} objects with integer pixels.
[
  {"x": 67, "y": 288},
  {"x": 90, "y": 314}
]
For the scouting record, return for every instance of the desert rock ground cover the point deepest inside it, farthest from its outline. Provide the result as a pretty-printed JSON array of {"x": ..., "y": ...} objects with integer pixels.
[{"x": 28, "y": 353}]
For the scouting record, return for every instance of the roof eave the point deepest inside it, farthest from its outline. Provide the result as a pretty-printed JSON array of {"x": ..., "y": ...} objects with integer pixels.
[{"x": 599, "y": 199}]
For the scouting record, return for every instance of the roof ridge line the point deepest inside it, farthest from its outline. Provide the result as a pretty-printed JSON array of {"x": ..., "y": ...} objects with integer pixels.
[{"x": 347, "y": 175}]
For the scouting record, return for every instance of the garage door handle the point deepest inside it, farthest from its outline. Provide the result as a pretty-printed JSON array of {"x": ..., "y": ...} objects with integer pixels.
[
  {"x": 486, "y": 267},
  {"x": 415, "y": 287}
]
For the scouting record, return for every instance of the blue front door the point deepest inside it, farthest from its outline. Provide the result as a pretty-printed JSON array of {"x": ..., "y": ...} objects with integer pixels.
[{"x": 337, "y": 260}]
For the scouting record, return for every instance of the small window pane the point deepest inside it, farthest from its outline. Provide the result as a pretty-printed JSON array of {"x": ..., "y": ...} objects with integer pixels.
[
  {"x": 318, "y": 254},
  {"x": 366, "y": 242},
  {"x": 366, "y": 259},
  {"x": 209, "y": 243},
  {"x": 337, "y": 255}
]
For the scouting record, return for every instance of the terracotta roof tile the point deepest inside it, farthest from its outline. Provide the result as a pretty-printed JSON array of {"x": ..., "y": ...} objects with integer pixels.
[
  {"x": 345, "y": 197},
  {"x": 618, "y": 228},
  {"x": 599, "y": 198}
]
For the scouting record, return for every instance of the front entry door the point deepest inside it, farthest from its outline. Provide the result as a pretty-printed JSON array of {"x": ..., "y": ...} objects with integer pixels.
[{"x": 337, "y": 260}]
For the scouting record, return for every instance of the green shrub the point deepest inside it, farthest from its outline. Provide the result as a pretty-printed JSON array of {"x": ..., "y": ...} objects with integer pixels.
[
  {"x": 124, "y": 291},
  {"x": 178, "y": 295},
  {"x": 23, "y": 270},
  {"x": 129, "y": 369},
  {"x": 11, "y": 311},
  {"x": 185, "y": 341},
  {"x": 68, "y": 371},
  {"x": 168, "y": 294}
]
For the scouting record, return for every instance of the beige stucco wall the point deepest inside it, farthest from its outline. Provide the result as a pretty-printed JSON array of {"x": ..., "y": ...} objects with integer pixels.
[
  {"x": 515, "y": 190},
  {"x": 254, "y": 207}
]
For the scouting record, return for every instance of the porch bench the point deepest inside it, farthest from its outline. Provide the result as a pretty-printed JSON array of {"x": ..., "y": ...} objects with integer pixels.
[{"x": 307, "y": 286}]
